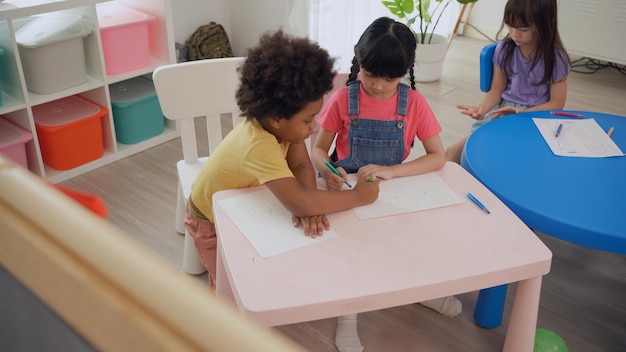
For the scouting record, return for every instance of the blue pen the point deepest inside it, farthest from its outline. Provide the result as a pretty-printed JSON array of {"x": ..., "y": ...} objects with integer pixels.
[
  {"x": 336, "y": 172},
  {"x": 558, "y": 130},
  {"x": 477, "y": 202}
]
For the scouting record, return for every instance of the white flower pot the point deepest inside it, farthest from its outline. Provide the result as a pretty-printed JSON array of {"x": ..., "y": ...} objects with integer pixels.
[{"x": 429, "y": 59}]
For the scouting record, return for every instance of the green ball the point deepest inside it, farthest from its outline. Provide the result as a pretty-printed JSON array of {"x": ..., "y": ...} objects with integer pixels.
[{"x": 549, "y": 341}]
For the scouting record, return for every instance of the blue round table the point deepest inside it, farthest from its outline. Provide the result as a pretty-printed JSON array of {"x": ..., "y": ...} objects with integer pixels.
[{"x": 577, "y": 199}]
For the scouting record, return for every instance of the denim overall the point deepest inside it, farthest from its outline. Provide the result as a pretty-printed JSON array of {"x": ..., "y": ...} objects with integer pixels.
[{"x": 372, "y": 141}]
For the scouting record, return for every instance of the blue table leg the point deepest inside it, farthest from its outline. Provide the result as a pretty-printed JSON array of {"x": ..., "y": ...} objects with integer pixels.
[{"x": 490, "y": 306}]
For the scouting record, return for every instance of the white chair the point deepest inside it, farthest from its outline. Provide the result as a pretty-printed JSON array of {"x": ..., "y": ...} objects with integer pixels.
[{"x": 203, "y": 88}]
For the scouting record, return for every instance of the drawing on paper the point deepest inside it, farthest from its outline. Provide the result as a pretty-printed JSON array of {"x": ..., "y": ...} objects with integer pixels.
[
  {"x": 408, "y": 194},
  {"x": 579, "y": 138}
]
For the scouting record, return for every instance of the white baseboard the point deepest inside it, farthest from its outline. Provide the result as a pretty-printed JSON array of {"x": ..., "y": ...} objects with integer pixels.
[{"x": 474, "y": 33}]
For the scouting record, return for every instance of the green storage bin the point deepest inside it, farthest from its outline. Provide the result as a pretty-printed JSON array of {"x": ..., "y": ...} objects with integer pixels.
[{"x": 137, "y": 113}]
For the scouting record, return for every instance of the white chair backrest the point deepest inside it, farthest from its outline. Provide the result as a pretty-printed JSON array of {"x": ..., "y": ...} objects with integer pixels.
[{"x": 202, "y": 88}]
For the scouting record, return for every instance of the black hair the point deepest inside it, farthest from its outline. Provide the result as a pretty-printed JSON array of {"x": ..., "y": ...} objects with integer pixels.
[
  {"x": 386, "y": 49},
  {"x": 543, "y": 15},
  {"x": 281, "y": 75}
]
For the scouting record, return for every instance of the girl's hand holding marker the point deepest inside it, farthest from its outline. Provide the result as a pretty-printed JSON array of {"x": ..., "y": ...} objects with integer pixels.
[{"x": 336, "y": 172}]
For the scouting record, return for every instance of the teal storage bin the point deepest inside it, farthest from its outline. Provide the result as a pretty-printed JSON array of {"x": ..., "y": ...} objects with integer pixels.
[
  {"x": 2, "y": 65},
  {"x": 137, "y": 113}
]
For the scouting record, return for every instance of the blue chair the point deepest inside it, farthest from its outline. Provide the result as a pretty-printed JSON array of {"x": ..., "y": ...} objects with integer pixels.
[
  {"x": 490, "y": 303},
  {"x": 486, "y": 66}
]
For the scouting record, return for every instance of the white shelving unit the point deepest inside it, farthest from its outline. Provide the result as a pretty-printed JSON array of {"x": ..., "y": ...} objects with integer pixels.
[{"x": 18, "y": 101}]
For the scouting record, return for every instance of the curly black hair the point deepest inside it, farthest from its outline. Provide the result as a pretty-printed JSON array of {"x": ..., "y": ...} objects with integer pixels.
[{"x": 281, "y": 75}]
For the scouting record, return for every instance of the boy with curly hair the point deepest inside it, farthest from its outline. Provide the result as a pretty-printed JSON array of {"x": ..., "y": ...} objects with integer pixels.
[{"x": 282, "y": 84}]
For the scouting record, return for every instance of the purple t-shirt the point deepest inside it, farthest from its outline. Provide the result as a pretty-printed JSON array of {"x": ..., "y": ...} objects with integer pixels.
[{"x": 521, "y": 87}]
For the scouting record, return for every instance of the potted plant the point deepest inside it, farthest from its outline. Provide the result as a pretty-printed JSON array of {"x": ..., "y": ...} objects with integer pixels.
[{"x": 422, "y": 20}]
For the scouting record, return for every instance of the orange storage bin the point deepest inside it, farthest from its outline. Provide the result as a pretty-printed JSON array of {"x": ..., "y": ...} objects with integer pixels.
[{"x": 69, "y": 131}]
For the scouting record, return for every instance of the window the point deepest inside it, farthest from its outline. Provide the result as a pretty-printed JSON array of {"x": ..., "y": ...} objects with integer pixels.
[{"x": 337, "y": 24}]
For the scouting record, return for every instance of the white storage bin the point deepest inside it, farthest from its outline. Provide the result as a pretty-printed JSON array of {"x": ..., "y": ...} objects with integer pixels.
[{"x": 52, "y": 53}]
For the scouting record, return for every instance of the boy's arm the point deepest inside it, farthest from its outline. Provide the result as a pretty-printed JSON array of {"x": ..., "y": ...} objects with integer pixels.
[
  {"x": 303, "y": 202},
  {"x": 300, "y": 164}
]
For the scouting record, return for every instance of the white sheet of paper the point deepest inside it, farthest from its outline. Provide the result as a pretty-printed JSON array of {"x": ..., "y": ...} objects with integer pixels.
[
  {"x": 266, "y": 223},
  {"x": 408, "y": 194},
  {"x": 578, "y": 137}
]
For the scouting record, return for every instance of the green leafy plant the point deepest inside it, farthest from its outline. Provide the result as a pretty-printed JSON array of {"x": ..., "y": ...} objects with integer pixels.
[{"x": 424, "y": 20}]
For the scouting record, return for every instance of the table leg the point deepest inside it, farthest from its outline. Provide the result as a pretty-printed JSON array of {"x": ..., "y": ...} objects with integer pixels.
[
  {"x": 222, "y": 286},
  {"x": 490, "y": 306},
  {"x": 523, "y": 322}
]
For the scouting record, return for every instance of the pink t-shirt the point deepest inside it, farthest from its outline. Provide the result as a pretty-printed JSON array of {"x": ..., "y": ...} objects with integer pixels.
[{"x": 420, "y": 120}]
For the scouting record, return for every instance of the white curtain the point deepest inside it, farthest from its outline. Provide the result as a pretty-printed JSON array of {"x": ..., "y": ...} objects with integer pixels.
[{"x": 337, "y": 24}]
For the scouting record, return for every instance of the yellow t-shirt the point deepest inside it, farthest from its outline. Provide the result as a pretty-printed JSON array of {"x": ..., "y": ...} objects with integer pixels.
[{"x": 249, "y": 156}]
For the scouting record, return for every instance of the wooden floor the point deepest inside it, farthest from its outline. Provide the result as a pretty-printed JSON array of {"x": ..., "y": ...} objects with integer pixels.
[{"x": 583, "y": 297}]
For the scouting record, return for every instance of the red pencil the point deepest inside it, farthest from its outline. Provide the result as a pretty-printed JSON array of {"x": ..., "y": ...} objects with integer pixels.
[{"x": 563, "y": 113}]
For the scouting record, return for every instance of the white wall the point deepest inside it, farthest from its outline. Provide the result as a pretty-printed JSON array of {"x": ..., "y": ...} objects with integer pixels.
[
  {"x": 486, "y": 17},
  {"x": 246, "y": 20},
  {"x": 188, "y": 15},
  {"x": 587, "y": 28},
  {"x": 251, "y": 18},
  {"x": 243, "y": 20}
]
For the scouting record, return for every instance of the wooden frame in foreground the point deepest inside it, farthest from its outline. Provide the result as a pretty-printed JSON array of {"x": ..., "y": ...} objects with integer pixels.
[{"x": 114, "y": 293}]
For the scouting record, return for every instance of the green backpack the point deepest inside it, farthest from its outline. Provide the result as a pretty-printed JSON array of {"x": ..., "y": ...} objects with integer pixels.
[{"x": 209, "y": 41}]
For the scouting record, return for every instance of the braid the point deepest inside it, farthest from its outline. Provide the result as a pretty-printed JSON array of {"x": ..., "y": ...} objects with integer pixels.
[
  {"x": 354, "y": 70},
  {"x": 412, "y": 78}
]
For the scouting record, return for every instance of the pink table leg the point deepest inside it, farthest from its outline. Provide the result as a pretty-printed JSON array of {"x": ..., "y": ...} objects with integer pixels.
[
  {"x": 222, "y": 286},
  {"x": 523, "y": 322}
]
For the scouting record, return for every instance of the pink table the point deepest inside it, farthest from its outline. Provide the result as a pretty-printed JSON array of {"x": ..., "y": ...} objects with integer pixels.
[{"x": 377, "y": 263}]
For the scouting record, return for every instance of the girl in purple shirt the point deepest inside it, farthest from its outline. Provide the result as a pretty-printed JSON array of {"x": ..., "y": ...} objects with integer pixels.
[{"x": 530, "y": 67}]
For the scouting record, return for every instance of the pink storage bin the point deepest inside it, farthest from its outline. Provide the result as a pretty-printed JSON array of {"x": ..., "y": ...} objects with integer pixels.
[
  {"x": 13, "y": 141},
  {"x": 125, "y": 37}
]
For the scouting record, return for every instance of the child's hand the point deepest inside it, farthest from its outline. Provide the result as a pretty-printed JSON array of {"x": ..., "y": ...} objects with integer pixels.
[
  {"x": 505, "y": 110},
  {"x": 367, "y": 188},
  {"x": 334, "y": 182},
  {"x": 313, "y": 226},
  {"x": 383, "y": 172},
  {"x": 474, "y": 112}
]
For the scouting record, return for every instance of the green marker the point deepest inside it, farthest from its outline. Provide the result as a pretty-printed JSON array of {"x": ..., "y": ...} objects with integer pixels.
[{"x": 336, "y": 172}]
